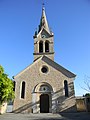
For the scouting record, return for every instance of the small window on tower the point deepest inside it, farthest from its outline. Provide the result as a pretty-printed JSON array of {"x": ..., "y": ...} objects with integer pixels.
[
  {"x": 46, "y": 46},
  {"x": 41, "y": 46}
]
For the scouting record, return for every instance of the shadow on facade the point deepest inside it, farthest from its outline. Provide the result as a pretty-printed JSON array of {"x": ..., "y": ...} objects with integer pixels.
[
  {"x": 60, "y": 103},
  {"x": 26, "y": 107},
  {"x": 65, "y": 104}
]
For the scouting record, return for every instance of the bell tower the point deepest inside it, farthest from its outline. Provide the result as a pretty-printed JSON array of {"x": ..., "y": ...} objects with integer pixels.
[{"x": 43, "y": 39}]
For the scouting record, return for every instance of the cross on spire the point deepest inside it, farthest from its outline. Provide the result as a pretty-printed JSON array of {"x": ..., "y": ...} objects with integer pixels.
[
  {"x": 43, "y": 21},
  {"x": 43, "y": 4}
]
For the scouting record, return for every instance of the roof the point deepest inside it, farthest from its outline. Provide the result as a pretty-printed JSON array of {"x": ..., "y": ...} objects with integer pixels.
[
  {"x": 53, "y": 64},
  {"x": 43, "y": 24},
  {"x": 43, "y": 21},
  {"x": 58, "y": 67}
]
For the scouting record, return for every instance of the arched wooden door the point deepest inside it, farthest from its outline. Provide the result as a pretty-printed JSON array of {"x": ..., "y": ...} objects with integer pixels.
[{"x": 44, "y": 103}]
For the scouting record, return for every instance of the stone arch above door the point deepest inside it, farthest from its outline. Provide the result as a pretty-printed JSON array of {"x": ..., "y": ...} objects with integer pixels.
[
  {"x": 43, "y": 87},
  {"x": 42, "y": 91}
]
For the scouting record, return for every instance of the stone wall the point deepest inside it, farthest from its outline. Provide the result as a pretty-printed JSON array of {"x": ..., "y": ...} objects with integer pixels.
[
  {"x": 80, "y": 103},
  {"x": 33, "y": 76}
]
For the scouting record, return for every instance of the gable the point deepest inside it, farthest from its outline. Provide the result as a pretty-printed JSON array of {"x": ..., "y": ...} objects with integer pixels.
[
  {"x": 44, "y": 34},
  {"x": 43, "y": 31},
  {"x": 50, "y": 62},
  {"x": 27, "y": 68},
  {"x": 58, "y": 67}
]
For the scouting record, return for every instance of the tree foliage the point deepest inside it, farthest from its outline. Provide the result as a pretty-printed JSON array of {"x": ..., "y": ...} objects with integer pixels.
[
  {"x": 6, "y": 87},
  {"x": 87, "y": 94}
]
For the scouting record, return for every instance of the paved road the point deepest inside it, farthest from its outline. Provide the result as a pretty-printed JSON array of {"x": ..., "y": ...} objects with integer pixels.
[{"x": 48, "y": 116}]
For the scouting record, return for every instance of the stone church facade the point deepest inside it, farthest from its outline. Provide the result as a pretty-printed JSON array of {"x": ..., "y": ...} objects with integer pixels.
[{"x": 44, "y": 86}]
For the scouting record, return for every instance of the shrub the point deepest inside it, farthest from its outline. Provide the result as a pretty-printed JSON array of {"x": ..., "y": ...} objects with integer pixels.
[{"x": 6, "y": 87}]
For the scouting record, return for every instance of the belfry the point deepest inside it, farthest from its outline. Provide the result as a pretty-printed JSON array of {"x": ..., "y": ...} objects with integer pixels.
[
  {"x": 44, "y": 86},
  {"x": 43, "y": 39}
]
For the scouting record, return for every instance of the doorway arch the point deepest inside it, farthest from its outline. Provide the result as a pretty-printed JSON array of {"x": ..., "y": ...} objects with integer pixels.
[
  {"x": 42, "y": 96},
  {"x": 44, "y": 103}
]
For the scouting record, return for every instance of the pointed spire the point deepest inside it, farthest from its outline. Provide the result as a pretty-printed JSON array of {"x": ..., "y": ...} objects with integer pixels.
[{"x": 43, "y": 21}]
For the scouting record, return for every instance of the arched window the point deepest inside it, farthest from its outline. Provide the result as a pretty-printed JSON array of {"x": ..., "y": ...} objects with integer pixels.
[
  {"x": 46, "y": 46},
  {"x": 66, "y": 88},
  {"x": 23, "y": 90},
  {"x": 40, "y": 46},
  {"x": 14, "y": 83}
]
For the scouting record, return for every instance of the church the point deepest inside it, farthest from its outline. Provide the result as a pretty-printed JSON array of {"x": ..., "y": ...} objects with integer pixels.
[{"x": 44, "y": 86}]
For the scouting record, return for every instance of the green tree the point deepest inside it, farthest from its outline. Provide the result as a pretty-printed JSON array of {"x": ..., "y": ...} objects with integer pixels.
[
  {"x": 6, "y": 87},
  {"x": 87, "y": 94}
]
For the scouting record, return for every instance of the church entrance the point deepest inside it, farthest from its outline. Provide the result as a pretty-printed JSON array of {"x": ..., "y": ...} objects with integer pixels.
[
  {"x": 44, "y": 103},
  {"x": 42, "y": 97}
]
